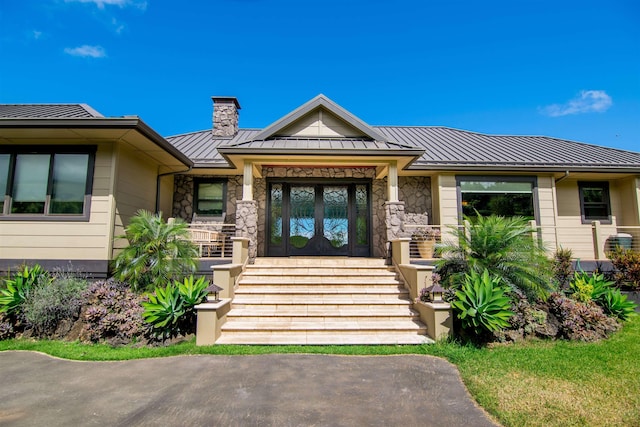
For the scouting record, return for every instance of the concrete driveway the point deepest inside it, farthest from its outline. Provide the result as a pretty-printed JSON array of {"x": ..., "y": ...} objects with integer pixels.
[{"x": 266, "y": 390}]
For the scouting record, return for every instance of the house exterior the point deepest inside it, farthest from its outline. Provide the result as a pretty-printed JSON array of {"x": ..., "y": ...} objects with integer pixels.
[{"x": 318, "y": 181}]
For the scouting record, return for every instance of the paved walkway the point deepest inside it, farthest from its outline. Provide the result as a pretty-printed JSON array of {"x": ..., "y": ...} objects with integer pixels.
[{"x": 267, "y": 390}]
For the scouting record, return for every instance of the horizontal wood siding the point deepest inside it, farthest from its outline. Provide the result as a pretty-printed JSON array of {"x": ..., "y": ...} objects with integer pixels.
[
  {"x": 65, "y": 240},
  {"x": 135, "y": 189},
  {"x": 547, "y": 211},
  {"x": 448, "y": 195}
]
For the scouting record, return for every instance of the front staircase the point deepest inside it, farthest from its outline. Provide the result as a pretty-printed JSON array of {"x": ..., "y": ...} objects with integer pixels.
[{"x": 321, "y": 301}]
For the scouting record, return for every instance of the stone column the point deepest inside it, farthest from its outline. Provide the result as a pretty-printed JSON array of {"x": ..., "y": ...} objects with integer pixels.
[
  {"x": 394, "y": 220},
  {"x": 247, "y": 225}
]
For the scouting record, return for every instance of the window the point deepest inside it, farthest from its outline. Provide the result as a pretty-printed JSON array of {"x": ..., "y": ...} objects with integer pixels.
[
  {"x": 46, "y": 183},
  {"x": 505, "y": 196},
  {"x": 594, "y": 202},
  {"x": 210, "y": 197}
]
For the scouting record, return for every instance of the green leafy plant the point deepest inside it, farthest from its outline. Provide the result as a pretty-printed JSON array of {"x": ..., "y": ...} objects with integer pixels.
[
  {"x": 503, "y": 246},
  {"x": 164, "y": 310},
  {"x": 157, "y": 253},
  {"x": 18, "y": 288},
  {"x": 481, "y": 304},
  {"x": 585, "y": 287},
  {"x": 616, "y": 304}
]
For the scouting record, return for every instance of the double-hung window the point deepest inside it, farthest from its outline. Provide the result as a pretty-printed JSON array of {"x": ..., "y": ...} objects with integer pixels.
[
  {"x": 46, "y": 183},
  {"x": 594, "y": 201}
]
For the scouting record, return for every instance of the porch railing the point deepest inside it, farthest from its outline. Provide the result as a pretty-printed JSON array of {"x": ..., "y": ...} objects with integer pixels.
[{"x": 587, "y": 241}]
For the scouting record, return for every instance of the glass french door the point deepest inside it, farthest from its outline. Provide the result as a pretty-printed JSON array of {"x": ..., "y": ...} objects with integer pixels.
[{"x": 318, "y": 219}]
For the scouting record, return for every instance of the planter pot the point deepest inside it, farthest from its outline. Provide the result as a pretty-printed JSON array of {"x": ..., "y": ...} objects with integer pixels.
[{"x": 425, "y": 248}]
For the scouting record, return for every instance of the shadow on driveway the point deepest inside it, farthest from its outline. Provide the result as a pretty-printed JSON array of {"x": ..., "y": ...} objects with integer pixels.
[{"x": 266, "y": 390}]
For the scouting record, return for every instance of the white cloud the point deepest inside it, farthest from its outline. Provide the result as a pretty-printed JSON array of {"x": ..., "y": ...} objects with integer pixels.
[
  {"x": 86, "y": 51},
  {"x": 140, "y": 4},
  {"x": 587, "y": 101},
  {"x": 36, "y": 34}
]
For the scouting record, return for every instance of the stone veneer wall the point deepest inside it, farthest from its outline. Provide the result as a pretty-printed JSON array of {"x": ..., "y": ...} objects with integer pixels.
[
  {"x": 183, "y": 192},
  {"x": 225, "y": 118},
  {"x": 414, "y": 191}
]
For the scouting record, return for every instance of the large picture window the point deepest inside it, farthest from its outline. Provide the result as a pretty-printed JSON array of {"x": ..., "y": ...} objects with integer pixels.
[
  {"x": 210, "y": 197},
  {"x": 505, "y": 196},
  {"x": 594, "y": 202},
  {"x": 51, "y": 183}
]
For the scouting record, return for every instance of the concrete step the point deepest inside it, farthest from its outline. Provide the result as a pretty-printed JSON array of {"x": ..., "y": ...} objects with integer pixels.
[
  {"x": 323, "y": 310},
  {"x": 324, "y": 338},
  {"x": 321, "y": 324},
  {"x": 295, "y": 288},
  {"x": 337, "y": 299},
  {"x": 328, "y": 280}
]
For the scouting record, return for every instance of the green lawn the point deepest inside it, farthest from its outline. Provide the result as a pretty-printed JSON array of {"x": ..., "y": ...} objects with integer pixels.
[{"x": 534, "y": 384}]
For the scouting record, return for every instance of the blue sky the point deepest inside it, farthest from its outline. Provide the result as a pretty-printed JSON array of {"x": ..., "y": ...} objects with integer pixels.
[{"x": 568, "y": 69}]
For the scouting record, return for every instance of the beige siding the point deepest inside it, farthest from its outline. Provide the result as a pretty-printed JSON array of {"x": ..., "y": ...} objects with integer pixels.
[
  {"x": 547, "y": 210},
  {"x": 135, "y": 189},
  {"x": 448, "y": 199},
  {"x": 166, "y": 195},
  {"x": 321, "y": 123},
  {"x": 66, "y": 240}
]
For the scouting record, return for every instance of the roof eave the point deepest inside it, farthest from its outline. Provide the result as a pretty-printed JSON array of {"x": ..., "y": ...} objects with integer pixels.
[{"x": 100, "y": 123}]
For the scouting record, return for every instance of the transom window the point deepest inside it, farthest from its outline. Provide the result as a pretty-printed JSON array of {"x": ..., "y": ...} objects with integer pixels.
[
  {"x": 505, "y": 196},
  {"x": 210, "y": 197},
  {"x": 594, "y": 201},
  {"x": 54, "y": 183}
]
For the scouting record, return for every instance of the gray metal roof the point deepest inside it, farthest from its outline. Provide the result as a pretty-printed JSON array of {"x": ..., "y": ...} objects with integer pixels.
[
  {"x": 48, "y": 111},
  {"x": 459, "y": 149},
  {"x": 444, "y": 148}
]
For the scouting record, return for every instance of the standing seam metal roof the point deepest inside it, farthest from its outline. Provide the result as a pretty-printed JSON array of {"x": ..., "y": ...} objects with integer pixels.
[
  {"x": 48, "y": 111},
  {"x": 443, "y": 147}
]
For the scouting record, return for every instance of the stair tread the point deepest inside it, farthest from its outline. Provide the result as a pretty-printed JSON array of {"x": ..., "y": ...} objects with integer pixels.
[{"x": 322, "y": 338}]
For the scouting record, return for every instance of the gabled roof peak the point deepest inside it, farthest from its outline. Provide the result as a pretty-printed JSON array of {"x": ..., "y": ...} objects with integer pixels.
[{"x": 320, "y": 102}]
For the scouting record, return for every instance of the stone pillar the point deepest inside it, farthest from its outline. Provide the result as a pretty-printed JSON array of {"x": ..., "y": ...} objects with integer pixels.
[
  {"x": 394, "y": 219},
  {"x": 247, "y": 225}
]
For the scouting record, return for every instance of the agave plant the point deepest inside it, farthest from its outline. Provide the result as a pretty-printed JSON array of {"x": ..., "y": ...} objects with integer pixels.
[
  {"x": 504, "y": 247},
  {"x": 585, "y": 287},
  {"x": 481, "y": 303},
  {"x": 164, "y": 310},
  {"x": 157, "y": 252},
  {"x": 192, "y": 291},
  {"x": 615, "y": 304}
]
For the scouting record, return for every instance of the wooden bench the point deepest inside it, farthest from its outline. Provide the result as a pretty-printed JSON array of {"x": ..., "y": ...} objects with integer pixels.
[{"x": 208, "y": 242}]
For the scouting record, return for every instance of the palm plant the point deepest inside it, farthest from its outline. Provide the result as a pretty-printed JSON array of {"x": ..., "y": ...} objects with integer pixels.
[
  {"x": 157, "y": 253},
  {"x": 503, "y": 246}
]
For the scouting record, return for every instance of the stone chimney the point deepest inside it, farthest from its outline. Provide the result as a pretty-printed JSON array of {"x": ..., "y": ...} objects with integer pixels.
[{"x": 225, "y": 115}]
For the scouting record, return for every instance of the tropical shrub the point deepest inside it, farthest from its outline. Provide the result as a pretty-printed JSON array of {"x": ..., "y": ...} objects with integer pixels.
[
  {"x": 18, "y": 287},
  {"x": 48, "y": 305},
  {"x": 170, "y": 309},
  {"x": 481, "y": 304},
  {"x": 504, "y": 247},
  {"x": 627, "y": 267},
  {"x": 113, "y": 313},
  {"x": 562, "y": 267},
  {"x": 157, "y": 253},
  {"x": 581, "y": 321}
]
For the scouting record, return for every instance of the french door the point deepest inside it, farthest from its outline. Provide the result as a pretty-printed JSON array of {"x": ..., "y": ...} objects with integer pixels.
[{"x": 318, "y": 218}]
